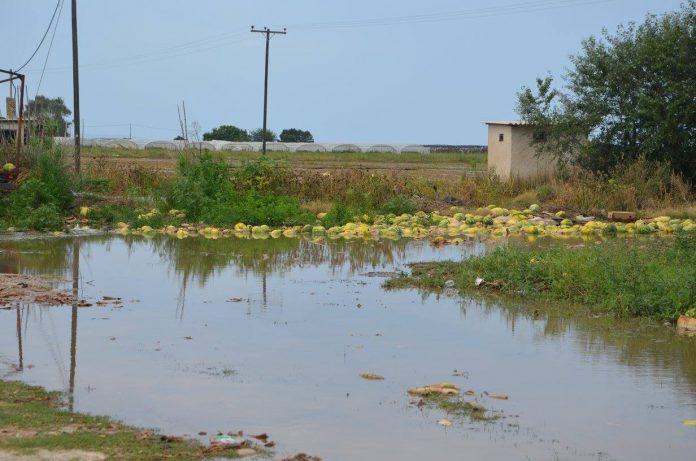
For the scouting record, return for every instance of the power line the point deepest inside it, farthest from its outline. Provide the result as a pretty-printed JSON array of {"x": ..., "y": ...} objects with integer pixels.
[
  {"x": 117, "y": 125},
  {"x": 474, "y": 13},
  {"x": 42, "y": 38},
  {"x": 50, "y": 47},
  {"x": 155, "y": 56}
]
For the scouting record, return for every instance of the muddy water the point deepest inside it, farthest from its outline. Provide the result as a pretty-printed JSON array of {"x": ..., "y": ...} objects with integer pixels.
[{"x": 180, "y": 357}]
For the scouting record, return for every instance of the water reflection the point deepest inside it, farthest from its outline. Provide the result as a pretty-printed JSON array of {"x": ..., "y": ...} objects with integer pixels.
[
  {"x": 49, "y": 257},
  {"x": 20, "y": 366},
  {"x": 73, "y": 320},
  {"x": 643, "y": 345},
  {"x": 286, "y": 348},
  {"x": 633, "y": 343},
  {"x": 201, "y": 259}
]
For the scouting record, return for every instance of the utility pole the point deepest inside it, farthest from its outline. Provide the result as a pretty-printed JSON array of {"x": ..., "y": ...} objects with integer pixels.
[
  {"x": 76, "y": 88},
  {"x": 268, "y": 33}
]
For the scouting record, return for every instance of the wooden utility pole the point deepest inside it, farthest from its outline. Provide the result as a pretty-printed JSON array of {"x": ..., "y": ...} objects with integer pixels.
[
  {"x": 268, "y": 33},
  {"x": 76, "y": 88}
]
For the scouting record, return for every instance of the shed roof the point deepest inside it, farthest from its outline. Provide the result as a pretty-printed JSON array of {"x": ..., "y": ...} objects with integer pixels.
[{"x": 506, "y": 122}]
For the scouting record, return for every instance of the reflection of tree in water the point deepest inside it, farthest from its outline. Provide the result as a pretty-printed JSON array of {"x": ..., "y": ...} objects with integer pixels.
[
  {"x": 636, "y": 343},
  {"x": 47, "y": 257},
  {"x": 198, "y": 258}
]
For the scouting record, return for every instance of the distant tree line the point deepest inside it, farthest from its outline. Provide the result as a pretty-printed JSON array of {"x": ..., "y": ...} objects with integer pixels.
[{"x": 236, "y": 134}]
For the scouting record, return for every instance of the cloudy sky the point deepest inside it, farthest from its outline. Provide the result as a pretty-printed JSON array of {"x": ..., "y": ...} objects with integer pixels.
[{"x": 398, "y": 71}]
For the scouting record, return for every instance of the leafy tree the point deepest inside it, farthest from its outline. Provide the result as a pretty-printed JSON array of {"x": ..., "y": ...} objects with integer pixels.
[
  {"x": 295, "y": 135},
  {"x": 629, "y": 95},
  {"x": 51, "y": 112},
  {"x": 257, "y": 135},
  {"x": 227, "y": 133}
]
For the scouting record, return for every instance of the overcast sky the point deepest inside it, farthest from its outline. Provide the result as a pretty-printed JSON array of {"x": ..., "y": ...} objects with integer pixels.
[{"x": 396, "y": 71}]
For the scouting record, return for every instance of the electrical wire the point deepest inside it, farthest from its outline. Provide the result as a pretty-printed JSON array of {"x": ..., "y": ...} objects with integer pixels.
[
  {"x": 42, "y": 38},
  {"x": 117, "y": 125},
  {"x": 50, "y": 46},
  {"x": 474, "y": 13},
  {"x": 224, "y": 39},
  {"x": 155, "y": 56}
]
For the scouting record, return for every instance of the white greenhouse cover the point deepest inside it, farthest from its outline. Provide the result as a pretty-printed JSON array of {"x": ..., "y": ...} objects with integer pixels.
[{"x": 219, "y": 146}]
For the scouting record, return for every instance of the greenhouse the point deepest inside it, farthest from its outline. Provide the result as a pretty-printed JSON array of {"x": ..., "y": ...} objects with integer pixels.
[{"x": 220, "y": 146}]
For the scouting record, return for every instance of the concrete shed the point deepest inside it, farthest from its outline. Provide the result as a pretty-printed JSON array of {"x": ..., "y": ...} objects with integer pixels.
[{"x": 510, "y": 152}]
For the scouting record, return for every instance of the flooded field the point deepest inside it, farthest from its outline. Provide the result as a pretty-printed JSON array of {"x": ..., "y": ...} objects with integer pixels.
[{"x": 272, "y": 335}]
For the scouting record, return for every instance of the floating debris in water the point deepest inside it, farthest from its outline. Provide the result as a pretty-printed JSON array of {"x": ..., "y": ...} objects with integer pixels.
[
  {"x": 371, "y": 376},
  {"x": 439, "y": 388}
]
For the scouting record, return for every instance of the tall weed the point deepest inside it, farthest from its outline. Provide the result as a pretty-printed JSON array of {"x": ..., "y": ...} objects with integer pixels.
[
  {"x": 44, "y": 197},
  {"x": 626, "y": 278},
  {"x": 204, "y": 190}
]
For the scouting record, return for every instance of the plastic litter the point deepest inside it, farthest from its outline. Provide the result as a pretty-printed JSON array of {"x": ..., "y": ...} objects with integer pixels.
[{"x": 226, "y": 441}]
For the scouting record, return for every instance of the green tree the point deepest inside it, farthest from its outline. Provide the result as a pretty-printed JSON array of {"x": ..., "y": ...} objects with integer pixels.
[
  {"x": 628, "y": 95},
  {"x": 257, "y": 135},
  {"x": 295, "y": 135},
  {"x": 227, "y": 133},
  {"x": 52, "y": 113}
]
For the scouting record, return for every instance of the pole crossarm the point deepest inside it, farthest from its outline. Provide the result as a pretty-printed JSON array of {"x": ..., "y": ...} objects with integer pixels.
[{"x": 268, "y": 31}]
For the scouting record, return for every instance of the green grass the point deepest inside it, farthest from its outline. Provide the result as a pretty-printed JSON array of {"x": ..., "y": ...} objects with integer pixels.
[
  {"x": 458, "y": 408},
  {"x": 624, "y": 277},
  {"x": 473, "y": 159},
  {"x": 35, "y": 421},
  {"x": 40, "y": 201},
  {"x": 204, "y": 191}
]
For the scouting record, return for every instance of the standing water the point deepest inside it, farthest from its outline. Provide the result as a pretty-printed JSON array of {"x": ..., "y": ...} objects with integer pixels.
[{"x": 272, "y": 335}]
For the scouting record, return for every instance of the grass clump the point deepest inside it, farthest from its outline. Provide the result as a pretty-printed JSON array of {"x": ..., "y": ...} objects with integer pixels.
[
  {"x": 625, "y": 278},
  {"x": 456, "y": 407},
  {"x": 32, "y": 420},
  {"x": 426, "y": 275}
]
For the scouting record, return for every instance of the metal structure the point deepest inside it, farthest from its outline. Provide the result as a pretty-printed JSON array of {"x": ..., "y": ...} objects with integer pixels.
[
  {"x": 20, "y": 120},
  {"x": 268, "y": 33}
]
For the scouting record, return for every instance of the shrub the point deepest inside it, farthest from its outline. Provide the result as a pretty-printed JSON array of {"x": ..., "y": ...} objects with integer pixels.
[
  {"x": 339, "y": 215},
  {"x": 263, "y": 175},
  {"x": 545, "y": 192},
  {"x": 204, "y": 191},
  {"x": 41, "y": 200},
  {"x": 44, "y": 218},
  {"x": 398, "y": 205},
  {"x": 202, "y": 184}
]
